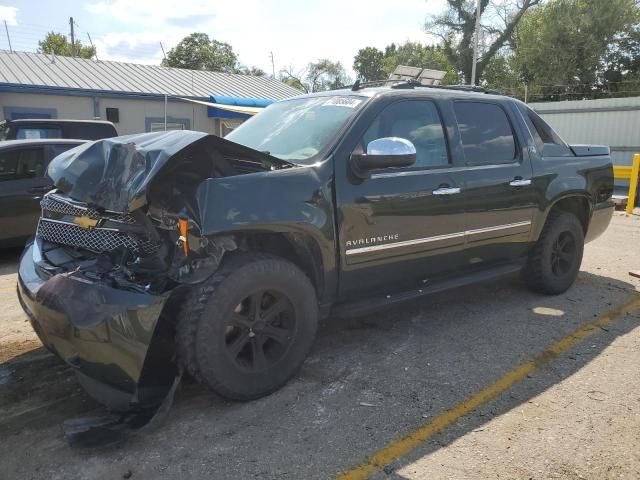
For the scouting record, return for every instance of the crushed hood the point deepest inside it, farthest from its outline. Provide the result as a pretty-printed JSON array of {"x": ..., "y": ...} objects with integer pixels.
[{"x": 115, "y": 173}]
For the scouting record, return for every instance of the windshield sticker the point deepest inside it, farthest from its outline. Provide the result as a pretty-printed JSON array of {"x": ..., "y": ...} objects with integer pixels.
[{"x": 349, "y": 102}]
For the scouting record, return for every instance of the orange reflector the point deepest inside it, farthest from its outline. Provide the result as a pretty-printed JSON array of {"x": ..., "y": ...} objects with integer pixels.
[{"x": 183, "y": 225}]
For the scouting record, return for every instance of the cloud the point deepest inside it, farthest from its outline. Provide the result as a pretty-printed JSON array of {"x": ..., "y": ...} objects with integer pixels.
[
  {"x": 296, "y": 34},
  {"x": 8, "y": 14}
]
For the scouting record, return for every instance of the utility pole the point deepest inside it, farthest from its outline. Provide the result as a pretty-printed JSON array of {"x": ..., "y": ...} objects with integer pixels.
[
  {"x": 476, "y": 40},
  {"x": 273, "y": 66},
  {"x": 94, "y": 48},
  {"x": 163, "y": 54},
  {"x": 73, "y": 38},
  {"x": 6, "y": 29}
]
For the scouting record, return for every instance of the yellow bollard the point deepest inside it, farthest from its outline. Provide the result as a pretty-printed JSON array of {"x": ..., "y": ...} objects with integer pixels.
[{"x": 633, "y": 183}]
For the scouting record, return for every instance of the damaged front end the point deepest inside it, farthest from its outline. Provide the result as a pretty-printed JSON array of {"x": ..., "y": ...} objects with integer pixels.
[{"x": 118, "y": 240}]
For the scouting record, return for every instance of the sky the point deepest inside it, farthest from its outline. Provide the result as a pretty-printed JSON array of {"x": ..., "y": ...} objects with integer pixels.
[{"x": 296, "y": 32}]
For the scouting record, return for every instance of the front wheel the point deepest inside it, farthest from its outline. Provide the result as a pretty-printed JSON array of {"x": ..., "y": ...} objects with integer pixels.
[
  {"x": 555, "y": 260},
  {"x": 248, "y": 329}
]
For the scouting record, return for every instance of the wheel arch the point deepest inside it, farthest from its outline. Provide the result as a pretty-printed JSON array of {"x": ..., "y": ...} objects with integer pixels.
[
  {"x": 301, "y": 249},
  {"x": 578, "y": 204}
]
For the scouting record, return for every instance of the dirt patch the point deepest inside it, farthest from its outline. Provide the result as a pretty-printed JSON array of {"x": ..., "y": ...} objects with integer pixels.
[{"x": 13, "y": 348}]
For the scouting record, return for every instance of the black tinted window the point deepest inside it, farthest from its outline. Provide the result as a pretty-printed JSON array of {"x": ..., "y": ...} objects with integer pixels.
[
  {"x": 59, "y": 148},
  {"x": 487, "y": 137},
  {"x": 541, "y": 128},
  {"x": 8, "y": 164},
  {"x": 90, "y": 131},
  {"x": 417, "y": 121},
  {"x": 30, "y": 163}
]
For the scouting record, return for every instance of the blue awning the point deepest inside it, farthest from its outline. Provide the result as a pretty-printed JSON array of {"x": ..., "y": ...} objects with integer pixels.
[{"x": 237, "y": 102}]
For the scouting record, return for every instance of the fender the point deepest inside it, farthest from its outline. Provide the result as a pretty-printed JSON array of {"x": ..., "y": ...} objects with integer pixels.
[{"x": 293, "y": 201}]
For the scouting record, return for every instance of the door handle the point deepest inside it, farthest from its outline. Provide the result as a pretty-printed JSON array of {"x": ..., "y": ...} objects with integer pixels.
[
  {"x": 519, "y": 182},
  {"x": 446, "y": 191}
]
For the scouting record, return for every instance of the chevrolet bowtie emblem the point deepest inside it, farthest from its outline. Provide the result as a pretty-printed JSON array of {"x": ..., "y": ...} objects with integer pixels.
[{"x": 85, "y": 222}]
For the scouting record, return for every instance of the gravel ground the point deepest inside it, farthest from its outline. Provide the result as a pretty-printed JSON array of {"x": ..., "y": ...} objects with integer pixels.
[{"x": 369, "y": 381}]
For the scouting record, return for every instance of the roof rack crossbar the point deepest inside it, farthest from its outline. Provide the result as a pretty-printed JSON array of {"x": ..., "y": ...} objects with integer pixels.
[{"x": 412, "y": 83}]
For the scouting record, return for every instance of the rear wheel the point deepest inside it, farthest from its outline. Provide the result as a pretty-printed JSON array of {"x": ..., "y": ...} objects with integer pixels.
[
  {"x": 555, "y": 260},
  {"x": 247, "y": 330}
]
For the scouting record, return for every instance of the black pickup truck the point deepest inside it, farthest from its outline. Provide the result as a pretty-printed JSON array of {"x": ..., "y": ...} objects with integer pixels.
[{"x": 163, "y": 252}]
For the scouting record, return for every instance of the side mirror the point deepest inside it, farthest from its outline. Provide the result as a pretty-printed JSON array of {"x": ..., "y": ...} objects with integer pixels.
[{"x": 388, "y": 152}]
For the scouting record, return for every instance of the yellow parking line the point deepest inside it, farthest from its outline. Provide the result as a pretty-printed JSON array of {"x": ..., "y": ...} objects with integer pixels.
[
  {"x": 404, "y": 445},
  {"x": 8, "y": 289}
]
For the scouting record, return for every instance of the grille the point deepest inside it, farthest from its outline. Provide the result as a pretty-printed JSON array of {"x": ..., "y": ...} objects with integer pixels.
[
  {"x": 94, "y": 239},
  {"x": 50, "y": 203}
]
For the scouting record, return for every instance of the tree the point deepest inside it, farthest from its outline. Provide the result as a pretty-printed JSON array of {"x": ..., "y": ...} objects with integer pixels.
[
  {"x": 369, "y": 64},
  {"x": 293, "y": 78},
  {"x": 199, "y": 52},
  {"x": 254, "y": 71},
  {"x": 326, "y": 75},
  {"x": 57, "y": 44},
  {"x": 456, "y": 29},
  {"x": 570, "y": 48},
  {"x": 316, "y": 77}
]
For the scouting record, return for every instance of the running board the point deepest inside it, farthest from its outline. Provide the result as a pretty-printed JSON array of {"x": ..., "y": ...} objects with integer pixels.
[{"x": 368, "y": 305}]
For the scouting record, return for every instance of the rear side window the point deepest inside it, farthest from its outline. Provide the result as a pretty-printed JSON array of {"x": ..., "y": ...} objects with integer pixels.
[
  {"x": 90, "y": 131},
  {"x": 487, "y": 136},
  {"x": 31, "y": 133},
  {"x": 543, "y": 133}
]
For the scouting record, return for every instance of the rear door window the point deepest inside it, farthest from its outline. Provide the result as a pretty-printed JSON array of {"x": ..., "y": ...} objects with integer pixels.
[{"x": 486, "y": 133}]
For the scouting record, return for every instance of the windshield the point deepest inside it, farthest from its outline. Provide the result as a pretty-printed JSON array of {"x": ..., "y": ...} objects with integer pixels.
[{"x": 297, "y": 130}]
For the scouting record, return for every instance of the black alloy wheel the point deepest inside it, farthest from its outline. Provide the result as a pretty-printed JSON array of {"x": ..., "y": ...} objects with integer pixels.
[
  {"x": 554, "y": 261},
  {"x": 259, "y": 332},
  {"x": 246, "y": 330},
  {"x": 563, "y": 254}
]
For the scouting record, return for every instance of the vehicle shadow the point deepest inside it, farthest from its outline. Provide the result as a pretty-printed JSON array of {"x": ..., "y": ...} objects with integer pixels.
[
  {"x": 9, "y": 260},
  {"x": 368, "y": 381}
]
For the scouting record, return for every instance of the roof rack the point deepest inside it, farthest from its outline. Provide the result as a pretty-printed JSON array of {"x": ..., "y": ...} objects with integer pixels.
[{"x": 411, "y": 83}]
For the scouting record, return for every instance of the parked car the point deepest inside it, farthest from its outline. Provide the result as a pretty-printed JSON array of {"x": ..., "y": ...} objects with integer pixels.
[
  {"x": 23, "y": 182},
  {"x": 223, "y": 253},
  {"x": 37, "y": 128}
]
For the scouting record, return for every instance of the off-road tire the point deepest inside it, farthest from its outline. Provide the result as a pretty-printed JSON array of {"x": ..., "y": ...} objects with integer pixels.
[
  {"x": 539, "y": 271},
  {"x": 203, "y": 325}
]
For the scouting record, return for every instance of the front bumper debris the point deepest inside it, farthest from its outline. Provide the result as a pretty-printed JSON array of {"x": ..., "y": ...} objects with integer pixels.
[{"x": 111, "y": 337}]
